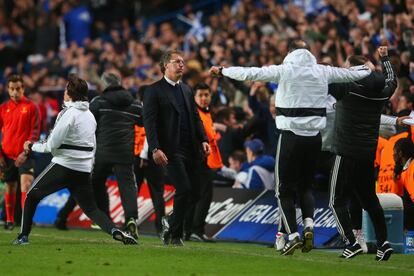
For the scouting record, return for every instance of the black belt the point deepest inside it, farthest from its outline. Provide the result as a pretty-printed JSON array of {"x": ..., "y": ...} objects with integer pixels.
[
  {"x": 73, "y": 147},
  {"x": 300, "y": 112}
]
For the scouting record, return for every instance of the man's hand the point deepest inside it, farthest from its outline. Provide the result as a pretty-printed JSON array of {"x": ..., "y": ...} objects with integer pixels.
[
  {"x": 383, "y": 51},
  {"x": 26, "y": 145},
  {"x": 160, "y": 158},
  {"x": 20, "y": 159},
  {"x": 215, "y": 71},
  {"x": 206, "y": 149}
]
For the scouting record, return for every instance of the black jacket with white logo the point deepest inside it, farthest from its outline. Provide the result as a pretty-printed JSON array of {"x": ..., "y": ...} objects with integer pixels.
[
  {"x": 116, "y": 113},
  {"x": 358, "y": 112}
]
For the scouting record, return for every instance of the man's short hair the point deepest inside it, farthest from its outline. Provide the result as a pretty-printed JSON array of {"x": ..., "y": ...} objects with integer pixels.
[
  {"x": 77, "y": 88},
  {"x": 298, "y": 44},
  {"x": 224, "y": 114},
  {"x": 238, "y": 155},
  {"x": 356, "y": 60},
  {"x": 110, "y": 79},
  {"x": 166, "y": 57},
  {"x": 15, "y": 78},
  {"x": 201, "y": 86}
]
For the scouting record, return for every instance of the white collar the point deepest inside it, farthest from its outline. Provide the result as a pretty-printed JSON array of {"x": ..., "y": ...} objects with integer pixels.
[
  {"x": 407, "y": 164},
  {"x": 173, "y": 83}
]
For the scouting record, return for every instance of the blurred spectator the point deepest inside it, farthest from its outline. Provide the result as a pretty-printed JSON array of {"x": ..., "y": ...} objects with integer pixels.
[{"x": 258, "y": 171}]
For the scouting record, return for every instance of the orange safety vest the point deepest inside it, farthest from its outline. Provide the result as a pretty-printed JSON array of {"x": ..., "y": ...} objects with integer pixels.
[
  {"x": 139, "y": 140},
  {"x": 407, "y": 180},
  {"x": 380, "y": 146},
  {"x": 386, "y": 183},
  {"x": 214, "y": 159}
]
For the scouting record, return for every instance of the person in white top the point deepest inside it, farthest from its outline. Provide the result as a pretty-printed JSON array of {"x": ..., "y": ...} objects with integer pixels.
[
  {"x": 301, "y": 99},
  {"x": 72, "y": 144}
]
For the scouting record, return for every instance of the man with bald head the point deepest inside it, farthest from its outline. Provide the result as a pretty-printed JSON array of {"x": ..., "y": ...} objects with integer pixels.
[{"x": 301, "y": 100}]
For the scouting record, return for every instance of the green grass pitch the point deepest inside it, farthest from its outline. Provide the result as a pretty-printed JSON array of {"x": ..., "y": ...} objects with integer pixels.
[{"x": 77, "y": 252}]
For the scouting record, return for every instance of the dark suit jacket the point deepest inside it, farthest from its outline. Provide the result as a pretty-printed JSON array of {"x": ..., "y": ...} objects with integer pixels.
[{"x": 162, "y": 118}]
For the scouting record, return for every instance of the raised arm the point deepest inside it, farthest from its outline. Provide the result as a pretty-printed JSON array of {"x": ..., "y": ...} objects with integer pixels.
[
  {"x": 339, "y": 75},
  {"x": 389, "y": 74},
  {"x": 266, "y": 73}
]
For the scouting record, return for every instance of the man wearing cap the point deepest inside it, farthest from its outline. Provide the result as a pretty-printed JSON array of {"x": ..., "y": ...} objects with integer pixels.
[{"x": 258, "y": 171}]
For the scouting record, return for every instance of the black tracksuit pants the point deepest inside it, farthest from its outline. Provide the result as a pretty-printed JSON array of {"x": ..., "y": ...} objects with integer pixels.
[
  {"x": 182, "y": 170},
  {"x": 54, "y": 178},
  {"x": 124, "y": 174},
  {"x": 351, "y": 177},
  {"x": 155, "y": 179},
  {"x": 296, "y": 158}
]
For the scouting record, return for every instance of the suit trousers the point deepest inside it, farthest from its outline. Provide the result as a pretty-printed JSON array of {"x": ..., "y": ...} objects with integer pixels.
[{"x": 182, "y": 170}]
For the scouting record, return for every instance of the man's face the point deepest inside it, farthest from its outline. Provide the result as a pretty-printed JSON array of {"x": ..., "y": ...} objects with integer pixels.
[
  {"x": 203, "y": 98},
  {"x": 16, "y": 90},
  {"x": 174, "y": 69},
  {"x": 234, "y": 164}
]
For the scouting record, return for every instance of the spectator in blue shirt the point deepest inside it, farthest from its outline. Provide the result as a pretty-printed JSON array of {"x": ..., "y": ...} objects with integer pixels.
[{"x": 258, "y": 171}]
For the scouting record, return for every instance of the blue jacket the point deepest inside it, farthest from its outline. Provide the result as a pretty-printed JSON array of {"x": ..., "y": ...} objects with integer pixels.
[{"x": 257, "y": 178}]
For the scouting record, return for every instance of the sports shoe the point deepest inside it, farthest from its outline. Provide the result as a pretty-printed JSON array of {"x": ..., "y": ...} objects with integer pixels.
[
  {"x": 95, "y": 226},
  {"x": 9, "y": 226},
  {"x": 200, "y": 238},
  {"x": 132, "y": 228},
  {"x": 307, "y": 240},
  {"x": 351, "y": 251},
  {"x": 177, "y": 242},
  {"x": 122, "y": 236},
  {"x": 281, "y": 239},
  {"x": 290, "y": 246},
  {"x": 165, "y": 232},
  {"x": 360, "y": 238},
  {"x": 384, "y": 252},
  {"x": 21, "y": 240}
]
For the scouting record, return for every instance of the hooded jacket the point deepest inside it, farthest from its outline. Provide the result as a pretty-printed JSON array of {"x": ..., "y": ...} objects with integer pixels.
[
  {"x": 358, "y": 112},
  {"x": 72, "y": 140},
  {"x": 116, "y": 113},
  {"x": 302, "y": 95}
]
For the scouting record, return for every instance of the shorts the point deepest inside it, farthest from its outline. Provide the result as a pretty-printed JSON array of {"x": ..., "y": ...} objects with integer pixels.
[{"x": 11, "y": 173}]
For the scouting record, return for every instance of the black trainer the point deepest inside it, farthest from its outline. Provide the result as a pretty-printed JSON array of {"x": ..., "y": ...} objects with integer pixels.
[
  {"x": 351, "y": 251},
  {"x": 165, "y": 232},
  {"x": 290, "y": 246},
  {"x": 9, "y": 226},
  {"x": 200, "y": 238},
  {"x": 21, "y": 240},
  {"x": 177, "y": 242},
  {"x": 384, "y": 252},
  {"x": 122, "y": 236},
  {"x": 60, "y": 224},
  {"x": 307, "y": 240},
  {"x": 132, "y": 228}
]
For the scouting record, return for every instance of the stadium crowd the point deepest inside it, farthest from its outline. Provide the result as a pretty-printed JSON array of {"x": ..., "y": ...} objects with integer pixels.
[{"x": 46, "y": 40}]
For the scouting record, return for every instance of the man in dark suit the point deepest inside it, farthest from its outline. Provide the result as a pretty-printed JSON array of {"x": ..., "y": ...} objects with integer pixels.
[{"x": 176, "y": 138}]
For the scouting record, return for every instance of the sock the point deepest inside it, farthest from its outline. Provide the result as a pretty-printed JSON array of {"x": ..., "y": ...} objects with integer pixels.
[
  {"x": 23, "y": 198},
  {"x": 308, "y": 222},
  {"x": 10, "y": 200},
  {"x": 293, "y": 235}
]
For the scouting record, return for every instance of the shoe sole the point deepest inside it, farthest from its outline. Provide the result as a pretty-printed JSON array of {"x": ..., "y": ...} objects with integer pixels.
[
  {"x": 292, "y": 249},
  {"x": 359, "y": 251},
  {"x": 119, "y": 236},
  {"x": 386, "y": 256},
  {"x": 308, "y": 242}
]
